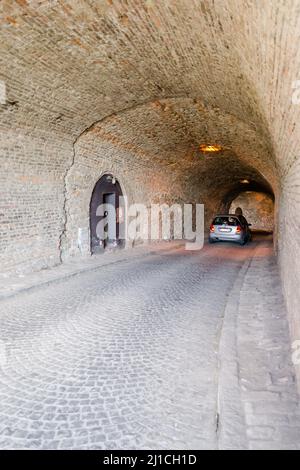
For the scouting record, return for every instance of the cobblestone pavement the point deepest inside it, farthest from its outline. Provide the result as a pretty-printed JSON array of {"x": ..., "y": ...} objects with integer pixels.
[{"x": 132, "y": 356}]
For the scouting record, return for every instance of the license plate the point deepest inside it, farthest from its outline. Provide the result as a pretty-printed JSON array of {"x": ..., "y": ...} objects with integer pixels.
[{"x": 225, "y": 229}]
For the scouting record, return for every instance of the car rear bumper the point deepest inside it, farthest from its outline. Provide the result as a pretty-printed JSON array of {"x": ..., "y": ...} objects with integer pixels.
[{"x": 236, "y": 237}]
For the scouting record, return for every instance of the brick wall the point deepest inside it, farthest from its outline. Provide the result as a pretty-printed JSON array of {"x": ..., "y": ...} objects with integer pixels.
[
  {"x": 289, "y": 247},
  {"x": 31, "y": 199}
]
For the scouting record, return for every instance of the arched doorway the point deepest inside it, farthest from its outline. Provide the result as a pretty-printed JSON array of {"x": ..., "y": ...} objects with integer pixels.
[{"x": 106, "y": 215}]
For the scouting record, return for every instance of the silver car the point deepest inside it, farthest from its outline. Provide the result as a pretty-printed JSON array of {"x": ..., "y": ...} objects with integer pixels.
[{"x": 231, "y": 227}]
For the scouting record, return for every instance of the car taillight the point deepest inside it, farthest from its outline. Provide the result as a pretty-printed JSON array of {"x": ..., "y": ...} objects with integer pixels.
[
  {"x": 238, "y": 229},
  {"x": 212, "y": 228}
]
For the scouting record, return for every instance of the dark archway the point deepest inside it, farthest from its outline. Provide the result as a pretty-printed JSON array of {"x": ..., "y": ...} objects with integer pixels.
[{"x": 106, "y": 214}]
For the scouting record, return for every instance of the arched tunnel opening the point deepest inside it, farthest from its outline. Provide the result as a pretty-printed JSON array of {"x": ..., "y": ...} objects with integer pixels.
[
  {"x": 168, "y": 103},
  {"x": 256, "y": 201},
  {"x": 258, "y": 208}
]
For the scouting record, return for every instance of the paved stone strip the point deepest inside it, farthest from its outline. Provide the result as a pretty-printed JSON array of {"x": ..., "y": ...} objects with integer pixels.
[
  {"x": 231, "y": 420},
  {"x": 123, "y": 357},
  {"x": 127, "y": 356},
  {"x": 267, "y": 375}
]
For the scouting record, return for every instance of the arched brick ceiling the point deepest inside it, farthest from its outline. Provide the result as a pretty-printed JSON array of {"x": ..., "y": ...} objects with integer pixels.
[
  {"x": 169, "y": 133},
  {"x": 68, "y": 64}
]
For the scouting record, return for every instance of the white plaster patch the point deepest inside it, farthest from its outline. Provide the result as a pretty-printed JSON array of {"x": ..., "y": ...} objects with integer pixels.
[{"x": 2, "y": 92}]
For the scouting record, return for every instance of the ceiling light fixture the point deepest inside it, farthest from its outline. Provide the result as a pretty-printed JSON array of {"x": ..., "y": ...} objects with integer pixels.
[
  {"x": 245, "y": 181},
  {"x": 210, "y": 148}
]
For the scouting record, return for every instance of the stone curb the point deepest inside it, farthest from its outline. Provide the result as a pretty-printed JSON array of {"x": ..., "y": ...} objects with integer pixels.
[{"x": 231, "y": 429}]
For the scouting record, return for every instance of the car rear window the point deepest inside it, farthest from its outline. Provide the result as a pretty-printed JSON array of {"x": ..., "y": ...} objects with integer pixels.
[{"x": 226, "y": 220}]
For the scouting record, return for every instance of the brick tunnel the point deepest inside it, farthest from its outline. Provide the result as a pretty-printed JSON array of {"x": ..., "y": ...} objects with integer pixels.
[{"x": 137, "y": 90}]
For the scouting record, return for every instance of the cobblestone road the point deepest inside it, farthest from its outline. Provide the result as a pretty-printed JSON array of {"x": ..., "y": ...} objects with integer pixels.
[{"x": 128, "y": 356}]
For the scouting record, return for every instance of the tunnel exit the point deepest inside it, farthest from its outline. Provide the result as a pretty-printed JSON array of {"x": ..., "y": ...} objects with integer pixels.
[{"x": 258, "y": 208}]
